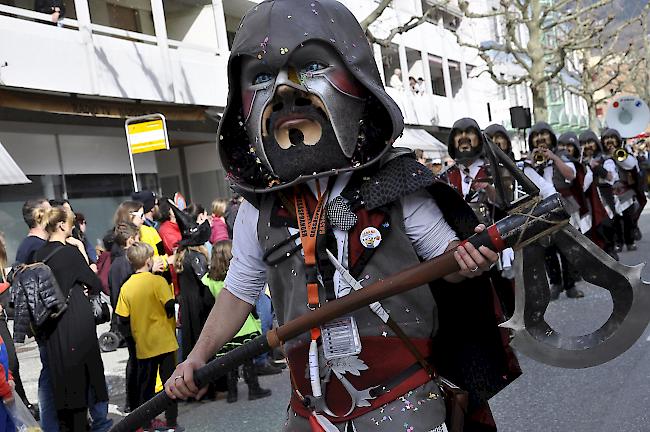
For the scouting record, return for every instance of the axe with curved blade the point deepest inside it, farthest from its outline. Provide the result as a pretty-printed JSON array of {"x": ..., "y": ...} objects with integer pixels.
[{"x": 534, "y": 337}]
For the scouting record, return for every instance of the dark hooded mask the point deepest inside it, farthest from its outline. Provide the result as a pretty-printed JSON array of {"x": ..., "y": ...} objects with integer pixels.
[
  {"x": 542, "y": 132},
  {"x": 611, "y": 136},
  {"x": 498, "y": 134},
  {"x": 571, "y": 144},
  {"x": 192, "y": 234},
  {"x": 586, "y": 139},
  {"x": 465, "y": 143},
  {"x": 306, "y": 99}
]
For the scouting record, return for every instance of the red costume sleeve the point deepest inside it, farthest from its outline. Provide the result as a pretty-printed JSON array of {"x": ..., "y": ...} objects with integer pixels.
[{"x": 5, "y": 388}]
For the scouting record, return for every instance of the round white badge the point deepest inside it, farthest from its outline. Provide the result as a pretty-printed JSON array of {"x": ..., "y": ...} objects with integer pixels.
[{"x": 370, "y": 237}]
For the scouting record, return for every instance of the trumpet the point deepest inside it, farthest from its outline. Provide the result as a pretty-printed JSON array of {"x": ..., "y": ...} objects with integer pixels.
[
  {"x": 620, "y": 154},
  {"x": 539, "y": 158}
]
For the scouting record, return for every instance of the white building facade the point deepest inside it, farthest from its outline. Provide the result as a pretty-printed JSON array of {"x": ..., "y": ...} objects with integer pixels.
[{"x": 66, "y": 90}]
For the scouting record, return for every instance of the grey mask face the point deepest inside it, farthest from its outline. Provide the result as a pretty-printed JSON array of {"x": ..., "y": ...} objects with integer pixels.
[{"x": 305, "y": 118}]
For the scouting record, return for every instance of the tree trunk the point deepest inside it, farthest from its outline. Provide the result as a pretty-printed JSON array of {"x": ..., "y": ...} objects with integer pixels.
[
  {"x": 594, "y": 123},
  {"x": 540, "y": 109}
]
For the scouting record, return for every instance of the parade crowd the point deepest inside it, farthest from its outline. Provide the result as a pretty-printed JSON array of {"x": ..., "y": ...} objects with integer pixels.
[{"x": 160, "y": 270}]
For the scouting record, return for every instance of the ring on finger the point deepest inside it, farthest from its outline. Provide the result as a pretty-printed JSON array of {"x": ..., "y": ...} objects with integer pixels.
[
  {"x": 474, "y": 269},
  {"x": 177, "y": 377}
]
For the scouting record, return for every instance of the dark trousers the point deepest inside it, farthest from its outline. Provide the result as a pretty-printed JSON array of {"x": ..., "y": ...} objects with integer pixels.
[
  {"x": 147, "y": 370},
  {"x": 132, "y": 390},
  {"x": 14, "y": 366},
  {"x": 73, "y": 420},
  {"x": 624, "y": 226},
  {"x": 558, "y": 268}
]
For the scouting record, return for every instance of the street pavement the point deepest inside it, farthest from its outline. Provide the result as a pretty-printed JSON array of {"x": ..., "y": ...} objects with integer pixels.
[{"x": 611, "y": 397}]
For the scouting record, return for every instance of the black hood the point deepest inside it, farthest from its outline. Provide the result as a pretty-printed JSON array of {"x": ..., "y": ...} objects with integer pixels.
[
  {"x": 459, "y": 126},
  {"x": 192, "y": 233},
  {"x": 493, "y": 129},
  {"x": 570, "y": 138},
  {"x": 611, "y": 133},
  {"x": 539, "y": 127},
  {"x": 270, "y": 32},
  {"x": 589, "y": 135}
]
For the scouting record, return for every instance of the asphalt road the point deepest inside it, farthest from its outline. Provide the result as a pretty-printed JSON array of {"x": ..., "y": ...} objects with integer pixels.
[{"x": 611, "y": 397}]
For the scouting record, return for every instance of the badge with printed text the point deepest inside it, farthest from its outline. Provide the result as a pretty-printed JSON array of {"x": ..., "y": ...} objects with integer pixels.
[{"x": 370, "y": 237}]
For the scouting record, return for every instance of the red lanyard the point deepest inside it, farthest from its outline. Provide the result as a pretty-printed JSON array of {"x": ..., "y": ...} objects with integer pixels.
[{"x": 310, "y": 228}]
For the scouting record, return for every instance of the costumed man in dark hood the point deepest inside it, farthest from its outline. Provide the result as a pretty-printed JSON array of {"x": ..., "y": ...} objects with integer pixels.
[
  {"x": 556, "y": 168},
  {"x": 600, "y": 196},
  {"x": 473, "y": 178},
  {"x": 500, "y": 136},
  {"x": 306, "y": 138},
  {"x": 628, "y": 193}
]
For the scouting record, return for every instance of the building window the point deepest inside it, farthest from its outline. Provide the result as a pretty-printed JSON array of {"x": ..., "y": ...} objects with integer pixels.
[
  {"x": 391, "y": 64},
  {"x": 191, "y": 22},
  {"x": 514, "y": 100},
  {"x": 455, "y": 77},
  {"x": 415, "y": 71},
  {"x": 122, "y": 15},
  {"x": 437, "y": 75}
]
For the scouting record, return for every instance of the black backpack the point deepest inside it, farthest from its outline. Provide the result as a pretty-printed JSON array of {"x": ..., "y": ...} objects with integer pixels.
[{"x": 37, "y": 293}]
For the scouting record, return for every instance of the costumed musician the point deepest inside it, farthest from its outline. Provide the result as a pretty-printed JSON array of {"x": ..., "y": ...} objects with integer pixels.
[
  {"x": 599, "y": 193},
  {"x": 306, "y": 137},
  {"x": 557, "y": 169},
  {"x": 628, "y": 194}
]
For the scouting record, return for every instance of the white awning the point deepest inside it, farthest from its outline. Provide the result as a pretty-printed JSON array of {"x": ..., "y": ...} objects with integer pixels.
[
  {"x": 10, "y": 172},
  {"x": 419, "y": 139}
]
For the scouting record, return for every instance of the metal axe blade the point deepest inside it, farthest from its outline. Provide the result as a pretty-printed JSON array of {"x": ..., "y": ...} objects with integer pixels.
[{"x": 534, "y": 337}]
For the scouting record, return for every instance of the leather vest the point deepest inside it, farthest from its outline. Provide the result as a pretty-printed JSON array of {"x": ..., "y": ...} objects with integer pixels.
[{"x": 415, "y": 312}]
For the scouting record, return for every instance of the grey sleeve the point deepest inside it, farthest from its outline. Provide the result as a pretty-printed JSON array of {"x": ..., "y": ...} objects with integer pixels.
[
  {"x": 246, "y": 276},
  {"x": 425, "y": 226}
]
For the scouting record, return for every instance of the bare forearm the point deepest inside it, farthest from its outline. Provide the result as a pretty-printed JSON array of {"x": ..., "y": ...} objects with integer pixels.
[
  {"x": 565, "y": 170},
  {"x": 226, "y": 318}
]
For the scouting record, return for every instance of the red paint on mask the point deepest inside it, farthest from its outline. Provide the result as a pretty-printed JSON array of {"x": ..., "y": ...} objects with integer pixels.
[
  {"x": 247, "y": 97},
  {"x": 345, "y": 82}
]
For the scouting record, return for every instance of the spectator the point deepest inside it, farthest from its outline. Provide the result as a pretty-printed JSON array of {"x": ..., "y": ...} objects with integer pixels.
[
  {"x": 76, "y": 232},
  {"x": 33, "y": 215},
  {"x": 396, "y": 79},
  {"x": 219, "y": 226},
  {"x": 55, "y": 8},
  {"x": 14, "y": 366},
  {"x": 68, "y": 346},
  {"x": 421, "y": 86},
  {"x": 121, "y": 270},
  {"x": 214, "y": 280},
  {"x": 168, "y": 230},
  {"x": 231, "y": 212},
  {"x": 436, "y": 166},
  {"x": 192, "y": 264},
  {"x": 145, "y": 311},
  {"x": 6, "y": 393},
  {"x": 170, "y": 235},
  {"x": 133, "y": 212},
  {"x": 81, "y": 224},
  {"x": 413, "y": 84},
  {"x": 149, "y": 205},
  {"x": 200, "y": 215}
]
